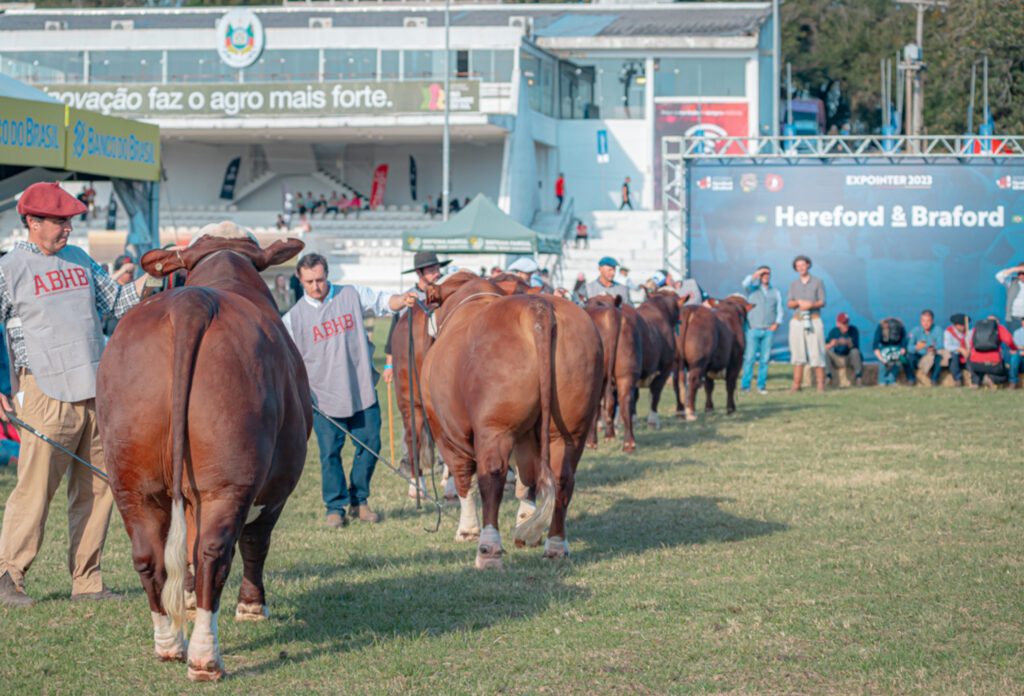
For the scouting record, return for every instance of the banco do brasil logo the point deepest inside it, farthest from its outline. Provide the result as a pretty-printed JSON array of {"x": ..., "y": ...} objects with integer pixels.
[{"x": 79, "y": 144}]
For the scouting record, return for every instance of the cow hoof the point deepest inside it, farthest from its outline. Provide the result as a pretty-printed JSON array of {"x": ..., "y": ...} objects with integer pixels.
[
  {"x": 487, "y": 558},
  {"x": 251, "y": 612},
  {"x": 556, "y": 548},
  {"x": 654, "y": 421},
  {"x": 173, "y": 656},
  {"x": 591, "y": 445},
  {"x": 629, "y": 447},
  {"x": 691, "y": 417},
  {"x": 213, "y": 670},
  {"x": 467, "y": 534}
]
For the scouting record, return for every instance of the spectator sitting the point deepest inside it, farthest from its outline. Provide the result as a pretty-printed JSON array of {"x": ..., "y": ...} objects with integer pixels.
[
  {"x": 890, "y": 346},
  {"x": 428, "y": 206},
  {"x": 281, "y": 224},
  {"x": 986, "y": 357},
  {"x": 954, "y": 342},
  {"x": 582, "y": 235},
  {"x": 1017, "y": 356},
  {"x": 321, "y": 204},
  {"x": 300, "y": 203},
  {"x": 923, "y": 350},
  {"x": 842, "y": 347},
  {"x": 334, "y": 205},
  {"x": 453, "y": 206}
]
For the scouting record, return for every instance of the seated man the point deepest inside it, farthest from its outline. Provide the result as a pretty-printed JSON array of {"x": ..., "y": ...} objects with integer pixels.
[
  {"x": 986, "y": 341},
  {"x": 954, "y": 342},
  {"x": 842, "y": 347},
  {"x": 1017, "y": 356},
  {"x": 890, "y": 346},
  {"x": 924, "y": 347}
]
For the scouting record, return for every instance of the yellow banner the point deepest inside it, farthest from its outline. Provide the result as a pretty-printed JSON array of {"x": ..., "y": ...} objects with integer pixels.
[
  {"x": 31, "y": 133},
  {"x": 110, "y": 146}
]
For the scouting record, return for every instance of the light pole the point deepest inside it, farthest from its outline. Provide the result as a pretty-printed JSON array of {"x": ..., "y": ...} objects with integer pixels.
[
  {"x": 446, "y": 138},
  {"x": 776, "y": 65},
  {"x": 914, "y": 66}
]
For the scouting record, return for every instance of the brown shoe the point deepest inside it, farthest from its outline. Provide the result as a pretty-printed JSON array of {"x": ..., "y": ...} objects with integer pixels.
[
  {"x": 102, "y": 595},
  {"x": 336, "y": 520},
  {"x": 10, "y": 595},
  {"x": 364, "y": 514}
]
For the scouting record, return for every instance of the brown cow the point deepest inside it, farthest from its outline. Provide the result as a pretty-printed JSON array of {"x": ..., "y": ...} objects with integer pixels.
[
  {"x": 205, "y": 411},
  {"x": 511, "y": 373},
  {"x": 710, "y": 341},
  {"x": 657, "y": 320},
  {"x": 410, "y": 408},
  {"x": 623, "y": 349}
]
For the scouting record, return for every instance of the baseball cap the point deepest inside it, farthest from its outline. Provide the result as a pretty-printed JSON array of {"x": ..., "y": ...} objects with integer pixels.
[
  {"x": 524, "y": 264},
  {"x": 843, "y": 318},
  {"x": 608, "y": 261},
  {"x": 658, "y": 279}
]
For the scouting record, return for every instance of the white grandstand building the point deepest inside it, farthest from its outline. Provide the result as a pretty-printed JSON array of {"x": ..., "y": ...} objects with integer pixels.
[{"x": 341, "y": 88}]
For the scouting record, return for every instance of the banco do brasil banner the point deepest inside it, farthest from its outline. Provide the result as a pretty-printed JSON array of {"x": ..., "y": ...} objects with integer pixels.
[
  {"x": 292, "y": 99},
  {"x": 888, "y": 240},
  {"x": 112, "y": 146},
  {"x": 31, "y": 132}
]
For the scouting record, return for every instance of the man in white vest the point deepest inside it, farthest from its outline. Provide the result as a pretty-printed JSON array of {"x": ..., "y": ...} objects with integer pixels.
[
  {"x": 327, "y": 327},
  {"x": 51, "y": 299}
]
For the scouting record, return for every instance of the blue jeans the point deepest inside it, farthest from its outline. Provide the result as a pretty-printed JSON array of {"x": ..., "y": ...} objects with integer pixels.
[
  {"x": 888, "y": 372},
  {"x": 364, "y": 425},
  {"x": 1016, "y": 363},
  {"x": 759, "y": 343}
]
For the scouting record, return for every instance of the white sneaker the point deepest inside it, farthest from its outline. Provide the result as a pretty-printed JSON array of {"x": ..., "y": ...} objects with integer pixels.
[{"x": 762, "y": 391}]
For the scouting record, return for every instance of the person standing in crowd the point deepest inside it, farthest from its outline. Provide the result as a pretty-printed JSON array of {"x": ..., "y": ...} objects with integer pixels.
[
  {"x": 579, "y": 289},
  {"x": 986, "y": 341},
  {"x": 924, "y": 347},
  {"x": 283, "y": 296},
  {"x": 527, "y": 268},
  {"x": 842, "y": 348},
  {"x": 627, "y": 202},
  {"x": 624, "y": 279},
  {"x": 806, "y": 332},
  {"x": 49, "y": 288},
  {"x": 1013, "y": 279},
  {"x": 762, "y": 322},
  {"x": 327, "y": 327},
  {"x": 560, "y": 191},
  {"x": 954, "y": 342},
  {"x": 123, "y": 274},
  {"x": 605, "y": 283},
  {"x": 427, "y": 268},
  {"x": 1017, "y": 356},
  {"x": 890, "y": 347},
  {"x": 289, "y": 209}
]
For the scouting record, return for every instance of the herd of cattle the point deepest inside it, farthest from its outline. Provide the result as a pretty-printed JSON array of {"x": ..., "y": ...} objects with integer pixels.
[{"x": 212, "y": 441}]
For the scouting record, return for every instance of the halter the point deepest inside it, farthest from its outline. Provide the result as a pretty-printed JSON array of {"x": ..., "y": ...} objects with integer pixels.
[{"x": 434, "y": 329}]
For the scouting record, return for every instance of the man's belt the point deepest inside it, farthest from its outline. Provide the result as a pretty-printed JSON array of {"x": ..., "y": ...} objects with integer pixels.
[{"x": 797, "y": 317}]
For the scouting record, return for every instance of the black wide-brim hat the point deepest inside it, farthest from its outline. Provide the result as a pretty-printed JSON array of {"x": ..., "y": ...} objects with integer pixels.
[{"x": 426, "y": 259}]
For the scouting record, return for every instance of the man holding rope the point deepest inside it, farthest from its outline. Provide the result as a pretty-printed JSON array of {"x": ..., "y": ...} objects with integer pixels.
[
  {"x": 51, "y": 299},
  {"x": 327, "y": 327}
]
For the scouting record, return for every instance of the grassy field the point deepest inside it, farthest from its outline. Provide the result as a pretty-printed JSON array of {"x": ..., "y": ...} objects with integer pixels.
[{"x": 863, "y": 541}]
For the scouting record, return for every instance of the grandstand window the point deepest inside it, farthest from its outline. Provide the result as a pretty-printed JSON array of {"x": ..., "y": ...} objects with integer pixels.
[
  {"x": 619, "y": 87},
  {"x": 426, "y": 65},
  {"x": 350, "y": 64},
  {"x": 126, "y": 66},
  {"x": 539, "y": 74},
  {"x": 390, "y": 65},
  {"x": 491, "y": 66},
  {"x": 575, "y": 91},
  {"x": 300, "y": 65},
  {"x": 700, "y": 77},
  {"x": 44, "y": 67},
  {"x": 198, "y": 66}
]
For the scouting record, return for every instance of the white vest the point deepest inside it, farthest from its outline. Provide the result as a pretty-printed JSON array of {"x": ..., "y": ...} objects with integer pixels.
[
  {"x": 55, "y": 299},
  {"x": 337, "y": 352}
]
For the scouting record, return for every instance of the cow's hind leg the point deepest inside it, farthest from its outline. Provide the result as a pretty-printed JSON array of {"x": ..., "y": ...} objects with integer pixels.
[
  {"x": 220, "y": 525},
  {"x": 564, "y": 457},
  {"x": 492, "y": 456},
  {"x": 731, "y": 377},
  {"x": 147, "y": 530},
  {"x": 254, "y": 545},
  {"x": 627, "y": 404},
  {"x": 694, "y": 378},
  {"x": 526, "y": 457},
  {"x": 657, "y": 385},
  {"x": 709, "y": 387}
]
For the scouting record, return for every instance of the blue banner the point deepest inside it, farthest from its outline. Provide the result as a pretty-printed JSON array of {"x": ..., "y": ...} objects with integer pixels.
[{"x": 887, "y": 240}]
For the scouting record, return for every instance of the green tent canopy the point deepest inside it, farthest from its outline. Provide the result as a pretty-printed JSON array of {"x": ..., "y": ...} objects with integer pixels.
[{"x": 481, "y": 228}]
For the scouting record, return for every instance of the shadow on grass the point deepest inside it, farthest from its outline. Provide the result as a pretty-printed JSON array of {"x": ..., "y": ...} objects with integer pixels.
[
  {"x": 635, "y": 525},
  {"x": 342, "y": 616}
]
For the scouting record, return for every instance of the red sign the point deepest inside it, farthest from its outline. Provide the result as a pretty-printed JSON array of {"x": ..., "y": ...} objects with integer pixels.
[
  {"x": 380, "y": 180},
  {"x": 61, "y": 281},
  {"x": 713, "y": 120}
]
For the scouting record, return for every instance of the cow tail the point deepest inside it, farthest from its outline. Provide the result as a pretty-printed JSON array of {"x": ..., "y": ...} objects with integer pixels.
[
  {"x": 187, "y": 338},
  {"x": 533, "y": 527}
]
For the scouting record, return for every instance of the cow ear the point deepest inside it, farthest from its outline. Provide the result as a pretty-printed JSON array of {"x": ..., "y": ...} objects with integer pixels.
[
  {"x": 618, "y": 300},
  {"x": 279, "y": 252},
  {"x": 162, "y": 262}
]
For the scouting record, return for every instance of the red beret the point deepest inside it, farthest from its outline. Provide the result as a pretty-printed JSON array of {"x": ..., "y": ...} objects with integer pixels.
[{"x": 48, "y": 199}]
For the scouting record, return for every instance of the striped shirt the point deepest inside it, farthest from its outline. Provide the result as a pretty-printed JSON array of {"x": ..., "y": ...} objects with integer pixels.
[{"x": 111, "y": 298}]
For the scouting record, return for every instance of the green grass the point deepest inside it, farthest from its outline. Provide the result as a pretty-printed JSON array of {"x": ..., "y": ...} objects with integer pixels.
[{"x": 865, "y": 540}]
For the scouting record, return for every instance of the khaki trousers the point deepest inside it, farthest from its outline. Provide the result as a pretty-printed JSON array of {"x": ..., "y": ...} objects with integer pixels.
[{"x": 40, "y": 470}]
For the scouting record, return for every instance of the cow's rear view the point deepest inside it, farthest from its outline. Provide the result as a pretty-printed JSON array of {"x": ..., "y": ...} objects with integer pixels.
[{"x": 205, "y": 413}]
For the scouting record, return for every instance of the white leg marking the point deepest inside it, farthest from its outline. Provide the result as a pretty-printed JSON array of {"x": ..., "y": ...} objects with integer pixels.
[
  {"x": 204, "y": 660},
  {"x": 167, "y": 644},
  {"x": 469, "y": 526}
]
